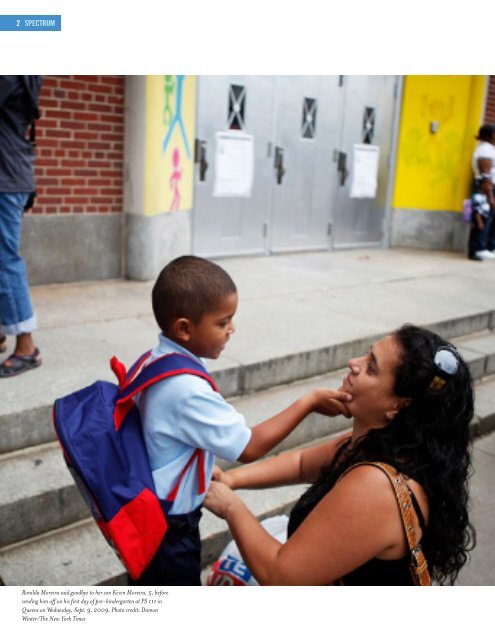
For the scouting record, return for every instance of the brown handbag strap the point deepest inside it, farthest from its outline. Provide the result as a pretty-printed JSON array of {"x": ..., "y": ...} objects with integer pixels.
[{"x": 418, "y": 564}]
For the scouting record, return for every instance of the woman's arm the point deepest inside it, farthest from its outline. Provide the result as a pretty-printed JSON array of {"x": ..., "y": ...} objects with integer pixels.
[
  {"x": 291, "y": 467},
  {"x": 269, "y": 433},
  {"x": 356, "y": 521}
]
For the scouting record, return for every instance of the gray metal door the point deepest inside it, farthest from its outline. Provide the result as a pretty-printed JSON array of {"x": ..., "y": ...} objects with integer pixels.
[
  {"x": 304, "y": 129},
  {"x": 225, "y": 226},
  {"x": 307, "y": 117},
  {"x": 367, "y": 117}
]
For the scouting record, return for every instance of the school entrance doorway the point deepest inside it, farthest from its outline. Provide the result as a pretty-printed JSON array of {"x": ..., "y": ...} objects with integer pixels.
[{"x": 280, "y": 162}]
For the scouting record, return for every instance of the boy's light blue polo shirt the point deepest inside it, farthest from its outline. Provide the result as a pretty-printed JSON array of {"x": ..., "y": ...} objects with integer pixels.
[{"x": 179, "y": 415}]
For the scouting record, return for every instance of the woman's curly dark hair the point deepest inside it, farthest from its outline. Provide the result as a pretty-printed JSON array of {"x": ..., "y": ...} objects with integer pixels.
[{"x": 429, "y": 440}]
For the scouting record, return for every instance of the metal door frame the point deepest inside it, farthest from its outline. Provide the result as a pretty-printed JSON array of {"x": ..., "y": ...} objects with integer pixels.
[{"x": 387, "y": 221}]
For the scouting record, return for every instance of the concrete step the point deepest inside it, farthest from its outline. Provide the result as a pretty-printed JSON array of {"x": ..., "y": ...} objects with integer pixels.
[
  {"x": 37, "y": 493},
  {"x": 74, "y": 555},
  {"x": 25, "y": 413},
  {"x": 77, "y": 554},
  {"x": 312, "y": 313}
]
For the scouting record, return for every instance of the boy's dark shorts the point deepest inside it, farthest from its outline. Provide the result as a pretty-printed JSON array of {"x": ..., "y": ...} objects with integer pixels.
[{"x": 178, "y": 559}]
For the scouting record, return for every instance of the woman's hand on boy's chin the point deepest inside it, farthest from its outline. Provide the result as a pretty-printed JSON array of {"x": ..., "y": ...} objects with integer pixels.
[{"x": 331, "y": 403}]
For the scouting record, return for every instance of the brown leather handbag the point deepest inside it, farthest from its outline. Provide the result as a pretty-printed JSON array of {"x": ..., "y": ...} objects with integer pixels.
[{"x": 418, "y": 565}]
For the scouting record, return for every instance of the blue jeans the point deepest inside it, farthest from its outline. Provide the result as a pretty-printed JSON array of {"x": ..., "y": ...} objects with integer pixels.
[
  {"x": 490, "y": 233},
  {"x": 484, "y": 239},
  {"x": 16, "y": 313}
]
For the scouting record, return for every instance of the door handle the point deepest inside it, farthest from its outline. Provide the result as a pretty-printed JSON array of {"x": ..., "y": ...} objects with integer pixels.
[
  {"x": 200, "y": 149},
  {"x": 279, "y": 164},
  {"x": 342, "y": 167}
]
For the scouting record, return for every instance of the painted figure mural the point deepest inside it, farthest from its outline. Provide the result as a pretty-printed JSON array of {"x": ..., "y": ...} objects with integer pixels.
[
  {"x": 171, "y": 110},
  {"x": 175, "y": 179}
]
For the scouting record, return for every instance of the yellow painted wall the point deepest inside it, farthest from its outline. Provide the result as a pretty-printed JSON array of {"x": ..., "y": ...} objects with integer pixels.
[
  {"x": 434, "y": 170},
  {"x": 169, "y": 149}
]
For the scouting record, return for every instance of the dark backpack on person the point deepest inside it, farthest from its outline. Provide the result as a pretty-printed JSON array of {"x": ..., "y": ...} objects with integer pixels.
[
  {"x": 32, "y": 139},
  {"x": 99, "y": 430}
]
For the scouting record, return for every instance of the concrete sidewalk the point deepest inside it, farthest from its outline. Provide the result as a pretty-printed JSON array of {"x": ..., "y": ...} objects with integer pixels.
[
  {"x": 289, "y": 304},
  {"x": 300, "y": 315}
]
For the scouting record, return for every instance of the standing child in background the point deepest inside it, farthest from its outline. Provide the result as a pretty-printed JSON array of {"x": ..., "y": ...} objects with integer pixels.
[
  {"x": 194, "y": 302},
  {"x": 480, "y": 219},
  {"x": 482, "y": 236}
]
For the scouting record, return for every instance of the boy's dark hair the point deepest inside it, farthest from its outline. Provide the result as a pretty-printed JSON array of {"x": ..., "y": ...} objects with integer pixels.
[{"x": 189, "y": 287}]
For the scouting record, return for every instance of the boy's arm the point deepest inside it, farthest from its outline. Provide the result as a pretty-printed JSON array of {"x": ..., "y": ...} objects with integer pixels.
[{"x": 269, "y": 433}]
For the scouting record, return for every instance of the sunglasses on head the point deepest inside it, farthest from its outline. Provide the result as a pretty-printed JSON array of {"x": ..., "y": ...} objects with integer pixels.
[{"x": 446, "y": 360}]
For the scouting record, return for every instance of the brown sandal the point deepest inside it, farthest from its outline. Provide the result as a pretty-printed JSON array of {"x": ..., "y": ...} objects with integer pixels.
[{"x": 3, "y": 343}]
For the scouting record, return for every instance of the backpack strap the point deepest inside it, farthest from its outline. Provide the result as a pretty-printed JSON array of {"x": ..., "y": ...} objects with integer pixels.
[
  {"x": 126, "y": 377},
  {"x": 138, "y": 379},
  {"x": 171, "y": 364},
  {"x": 418, "y": 565}
]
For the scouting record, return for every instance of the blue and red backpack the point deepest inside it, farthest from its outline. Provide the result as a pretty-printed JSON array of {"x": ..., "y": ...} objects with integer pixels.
[{"x": 99, "y": 430}]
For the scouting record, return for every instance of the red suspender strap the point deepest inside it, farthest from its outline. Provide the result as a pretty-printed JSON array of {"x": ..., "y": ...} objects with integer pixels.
[
  {"x": 201, "y": 472},
  {"x": 200, "y": 455}
]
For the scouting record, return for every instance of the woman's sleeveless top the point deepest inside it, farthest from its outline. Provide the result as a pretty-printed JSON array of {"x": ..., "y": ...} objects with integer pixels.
[{"x": 375, "y": 572}]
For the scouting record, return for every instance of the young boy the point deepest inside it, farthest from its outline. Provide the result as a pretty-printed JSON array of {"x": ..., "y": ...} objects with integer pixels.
[
  {"x": 480, "y": 220},
  {"x": 194, "y": 302}
]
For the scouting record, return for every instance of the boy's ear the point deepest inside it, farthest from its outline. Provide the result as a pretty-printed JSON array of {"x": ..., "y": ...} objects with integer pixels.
[
  {"x": 181, "y": 329},
  {"x": 400, "y": 404}
]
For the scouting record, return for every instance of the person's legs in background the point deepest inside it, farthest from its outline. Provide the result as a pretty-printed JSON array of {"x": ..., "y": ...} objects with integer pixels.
[
  {"x": 478, "y": 238},
  {"x": 16, "y": 313},
  {"x": 473, "y": 241},
  {"x": 490, "y": 239}
]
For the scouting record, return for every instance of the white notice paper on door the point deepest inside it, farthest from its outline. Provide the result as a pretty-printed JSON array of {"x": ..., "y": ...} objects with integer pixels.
[
  {"x": 364, "y": 171},
  {"x": 234, "y": 165}
]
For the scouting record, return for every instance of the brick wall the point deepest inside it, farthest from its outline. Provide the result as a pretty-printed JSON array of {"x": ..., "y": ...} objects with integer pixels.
[
  {"x": 80, "y": 145},
  {"x": 490, "y": 102}
]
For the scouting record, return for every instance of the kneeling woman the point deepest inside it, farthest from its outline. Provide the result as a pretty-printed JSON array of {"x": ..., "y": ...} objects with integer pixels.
[{"x": 412, "y": 402}]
